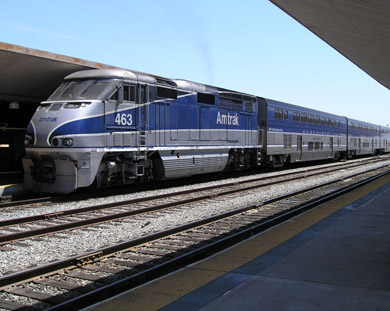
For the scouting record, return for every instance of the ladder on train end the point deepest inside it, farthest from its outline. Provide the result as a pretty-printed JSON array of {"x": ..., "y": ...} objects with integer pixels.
[
  {"x": 142, "y": 153},
  {"x": 143, "y": 130}
]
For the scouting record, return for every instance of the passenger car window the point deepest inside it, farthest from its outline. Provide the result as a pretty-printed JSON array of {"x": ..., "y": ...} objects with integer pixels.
[
  {"x": 296, "y": 116},
  {"x": 278, "y": 114}
]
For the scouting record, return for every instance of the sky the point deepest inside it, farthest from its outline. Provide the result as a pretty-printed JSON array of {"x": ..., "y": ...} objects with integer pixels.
[{"x": 249, "y": 46}]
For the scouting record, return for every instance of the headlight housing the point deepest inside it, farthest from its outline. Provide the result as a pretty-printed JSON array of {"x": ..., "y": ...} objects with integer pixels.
[{"x": 68, "y": 142}]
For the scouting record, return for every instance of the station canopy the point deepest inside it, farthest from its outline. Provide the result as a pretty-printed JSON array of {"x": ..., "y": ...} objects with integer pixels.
[
  {"x": 358, "y": 29},
  {"x": 30, "y": 76}
]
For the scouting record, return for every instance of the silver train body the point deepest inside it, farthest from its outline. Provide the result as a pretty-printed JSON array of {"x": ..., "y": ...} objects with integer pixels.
[{"x": 104, "y": 127}]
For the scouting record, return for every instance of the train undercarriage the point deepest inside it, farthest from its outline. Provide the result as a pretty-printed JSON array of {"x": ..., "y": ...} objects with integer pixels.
[{"x": 127, "y": 168}]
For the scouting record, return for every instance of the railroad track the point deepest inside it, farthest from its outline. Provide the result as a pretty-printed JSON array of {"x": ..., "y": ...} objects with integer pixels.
[
  {"x": 14, "y": 230},
  {"x": 81, "y": 280},
  {"x": 38, "y": 201}
]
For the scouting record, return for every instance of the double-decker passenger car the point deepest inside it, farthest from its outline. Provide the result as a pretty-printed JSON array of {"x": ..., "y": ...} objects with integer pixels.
[
  {"x": 384, "y": 139},
  {"x": 363, "y": 138},
  {"x": 104, "y": 127},
  {"x": 296, "y": 133}
]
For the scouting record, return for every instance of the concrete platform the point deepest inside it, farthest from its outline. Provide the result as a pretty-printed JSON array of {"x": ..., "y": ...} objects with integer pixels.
[
  {"x": 11, "y": 189},
  {"x": 11, "y": 184},
  {"x": 336, "y": 257}
]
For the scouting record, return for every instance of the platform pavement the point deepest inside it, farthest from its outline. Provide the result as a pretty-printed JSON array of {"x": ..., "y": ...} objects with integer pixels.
[
  {"x": 336, "y": 257},
  {"x": 11, "y": 189},
  {"x": 11, "y": 184}
]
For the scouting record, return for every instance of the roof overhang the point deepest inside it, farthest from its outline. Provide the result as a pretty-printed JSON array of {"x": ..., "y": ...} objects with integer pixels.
[
  {"x": 30, "y": 76},
  {"x": 358, "y": 29}
]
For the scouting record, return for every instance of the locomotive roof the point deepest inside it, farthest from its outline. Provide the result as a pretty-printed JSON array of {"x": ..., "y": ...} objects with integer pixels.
[
  {"x": 111, "y": 73},
  {"x": 142, "y": 77}
]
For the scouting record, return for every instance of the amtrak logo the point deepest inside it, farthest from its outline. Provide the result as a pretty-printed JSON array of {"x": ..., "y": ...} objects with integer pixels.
[
  {"x": 227, "y": 119},
  {"x": 48, "y": 119}
]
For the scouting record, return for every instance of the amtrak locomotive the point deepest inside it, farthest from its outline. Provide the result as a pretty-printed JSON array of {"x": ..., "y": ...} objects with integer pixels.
[{"x": 105, "y": 127}]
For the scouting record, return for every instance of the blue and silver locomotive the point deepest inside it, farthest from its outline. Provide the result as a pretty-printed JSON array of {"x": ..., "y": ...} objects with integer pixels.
[
  {"x": 116, "y": 126},
  {"x": 105, "y": 127}
]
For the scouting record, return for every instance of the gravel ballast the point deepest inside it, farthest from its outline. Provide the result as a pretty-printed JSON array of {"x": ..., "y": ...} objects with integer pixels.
[{"x": 49, "y": 249}]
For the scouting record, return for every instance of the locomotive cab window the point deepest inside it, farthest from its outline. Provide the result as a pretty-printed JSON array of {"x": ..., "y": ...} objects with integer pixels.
[
  {"x": 84, "y": 89},
  {"x": 144, "y": 94},
  {"x": 114, "y": 96},
  {"x": 129, "y": 93},
  {"x": 124, "y": 93}
]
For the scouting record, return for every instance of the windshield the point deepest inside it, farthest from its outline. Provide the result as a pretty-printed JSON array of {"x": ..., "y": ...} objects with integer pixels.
[{"x": 86, "y": 89}]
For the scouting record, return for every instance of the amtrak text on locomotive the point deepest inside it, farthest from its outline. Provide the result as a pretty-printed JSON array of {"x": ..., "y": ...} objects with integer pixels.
[
  {"x": 227, "y": 119},
  {"x": 48, "y": 119}
]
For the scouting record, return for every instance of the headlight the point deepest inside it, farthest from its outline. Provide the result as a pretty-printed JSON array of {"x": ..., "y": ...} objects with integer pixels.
[
  {"x": 55, "y": 142},
  {"x": 67, "y": 142}
]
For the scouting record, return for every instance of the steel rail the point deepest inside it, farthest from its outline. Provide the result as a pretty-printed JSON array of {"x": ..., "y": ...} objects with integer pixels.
[{"x": 25, "y": 202}]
